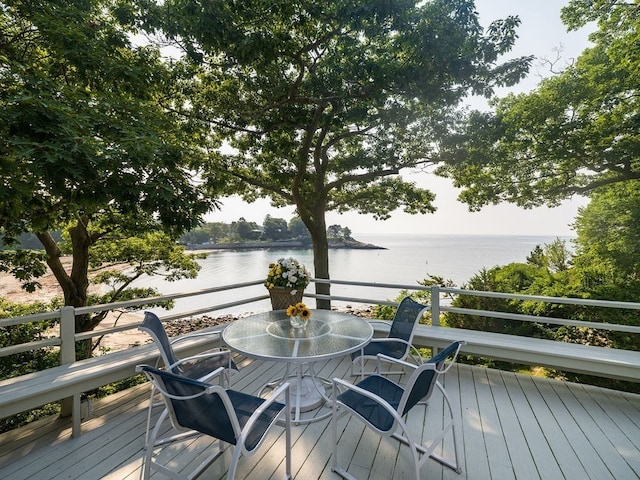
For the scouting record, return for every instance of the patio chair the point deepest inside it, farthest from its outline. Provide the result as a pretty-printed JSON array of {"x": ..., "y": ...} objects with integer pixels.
[
  {"x": 199, "y": 408},
  {"x": 383, "y": 405},
  {"x": 201, "y": 367},
  {"x": 397, "y": 344}
]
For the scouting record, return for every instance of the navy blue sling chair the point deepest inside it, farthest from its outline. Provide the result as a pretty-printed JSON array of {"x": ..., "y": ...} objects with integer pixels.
[
  {"x": 201, "y": 367},
  {"x": 199, "y": 408},
  {"x": 397, "y": 344},
  {"x": 383, "y": 406}
]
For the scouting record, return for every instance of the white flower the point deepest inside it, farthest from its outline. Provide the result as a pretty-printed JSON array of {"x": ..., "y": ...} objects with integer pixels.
[{"x": 287, "y": 272}]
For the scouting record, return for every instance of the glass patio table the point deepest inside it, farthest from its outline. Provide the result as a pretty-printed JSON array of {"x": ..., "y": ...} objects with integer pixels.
[{"x": 270, "y": 336}]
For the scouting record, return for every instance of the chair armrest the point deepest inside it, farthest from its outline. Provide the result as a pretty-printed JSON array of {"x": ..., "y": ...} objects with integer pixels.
[
  {"x": 199, "y": 357},
  {"x": 196, "y": 334},
  {"x": 273, "y": 398},
  {"x": 414, "y": 352},
  {"x": 382, "y": 356},
  {"x": 207, "y": 388},
  {"x": 449, "y": 364},
  {"x": 387, "y": 340},
  {"x": 385, "y": 323}
]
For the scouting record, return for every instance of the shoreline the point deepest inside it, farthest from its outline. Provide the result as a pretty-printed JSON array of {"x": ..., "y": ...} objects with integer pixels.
[{"x": 333, "y": 244}]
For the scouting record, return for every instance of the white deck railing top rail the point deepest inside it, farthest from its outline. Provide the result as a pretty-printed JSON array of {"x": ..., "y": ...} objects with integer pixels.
[{"x": 67, "y": 315}]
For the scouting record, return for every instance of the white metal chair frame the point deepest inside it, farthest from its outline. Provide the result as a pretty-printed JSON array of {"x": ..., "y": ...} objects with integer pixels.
[
  {"x": 240, "y": 433},
  {"x": 400, "y": 431},
  {"x": 410, "y": 350},
  {"x": 222, "y": 373}
]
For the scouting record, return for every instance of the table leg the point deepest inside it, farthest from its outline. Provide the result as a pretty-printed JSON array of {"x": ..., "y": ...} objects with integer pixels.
[{"x": 307, "y": 392}]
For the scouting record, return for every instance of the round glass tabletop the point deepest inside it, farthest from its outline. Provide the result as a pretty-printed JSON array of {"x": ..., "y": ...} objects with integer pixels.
[{"x": 269, "y": 335}]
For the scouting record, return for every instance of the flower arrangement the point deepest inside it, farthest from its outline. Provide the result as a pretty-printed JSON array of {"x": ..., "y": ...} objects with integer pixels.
[
  {"x": 299, "y": 310},
  {"x": 288, "y": 273}
]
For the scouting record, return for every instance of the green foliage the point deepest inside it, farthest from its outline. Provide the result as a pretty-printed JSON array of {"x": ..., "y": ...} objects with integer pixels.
[
  {"x": 387, "y": 312},
  {"x": 275, "y": 228},
  {"x": 207, "y": 232},
  {"x": 536, "y": 257},
  {"x": 119, "y": 386},
  {"x": 118, "y": 261},
  {"x": 122, "y": 260},
  {"x": 25, "y": 362},
  {"x": 512, "y": 278},
  {"x": 24, "y": 418},
  {"x": 196, "y": 236},
  {"x": 335, "y": 231},
  {"x": 31, "y": 361},
  {"x": 83, "y": 127},
  {"x": 609, "y": 232},
  {"x": 550, "y": 272},
  {"x": 24, "y": 265},
  {"x": 575, "y": 132},
  {"x": 298, "y": 229},
  {"x": 324, "y": 103},
  {"x": 557, "y": 255},
  {"x": 89, "y": 146}
]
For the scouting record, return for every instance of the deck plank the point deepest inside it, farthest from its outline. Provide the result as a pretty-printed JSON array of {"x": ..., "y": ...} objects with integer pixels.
[
  {"x": 498, "y": 455},
  {"x": 475, "y": 454},
  {"x": 544, "y": 405},
  {"x": 591, "y": 442},
  {"x": 523, "y": 466},
  {"x": 511, "y": 426}
]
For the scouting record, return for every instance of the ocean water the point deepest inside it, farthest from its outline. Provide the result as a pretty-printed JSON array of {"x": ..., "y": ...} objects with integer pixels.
[{"x": 406, "y": 259}]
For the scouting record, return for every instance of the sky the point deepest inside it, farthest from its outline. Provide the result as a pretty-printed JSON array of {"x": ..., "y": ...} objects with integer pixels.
[{"x": 541, "y": 33}]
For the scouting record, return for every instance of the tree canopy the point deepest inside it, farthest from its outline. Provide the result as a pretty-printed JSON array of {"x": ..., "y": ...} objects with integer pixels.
[
  {"x": 608, "y": 242},
  {"x": 323, "y": 105},
  {"x": 575, "y": 132},
  {"x": 85, "y": 144}
]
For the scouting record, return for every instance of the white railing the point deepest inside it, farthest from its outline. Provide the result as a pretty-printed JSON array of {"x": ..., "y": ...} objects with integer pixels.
[
  {"x": 67, "y": 315},
  {"x": 68, "y": 337},
  {"x": 437, "y": 308}
]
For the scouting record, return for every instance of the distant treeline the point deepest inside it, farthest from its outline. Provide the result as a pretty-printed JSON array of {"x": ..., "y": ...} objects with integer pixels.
[{"x": 272, "y": 229}]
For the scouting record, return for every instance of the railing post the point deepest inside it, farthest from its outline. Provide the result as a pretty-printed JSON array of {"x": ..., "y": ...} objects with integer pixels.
[
  {"x": 435, "y": 305},
  {"x": 69, "y": 405},
  {"x": 67, "y": 335}
]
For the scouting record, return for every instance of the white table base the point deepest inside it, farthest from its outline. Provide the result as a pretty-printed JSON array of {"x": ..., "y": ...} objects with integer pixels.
[{"x": 307, "y": 390}]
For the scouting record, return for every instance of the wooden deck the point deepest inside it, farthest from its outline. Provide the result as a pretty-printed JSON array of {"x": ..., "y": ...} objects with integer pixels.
[{"x": 512, "y": 427}]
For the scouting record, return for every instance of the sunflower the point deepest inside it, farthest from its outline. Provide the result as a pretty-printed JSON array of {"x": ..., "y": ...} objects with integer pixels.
[{"x": 299, "y": 310}]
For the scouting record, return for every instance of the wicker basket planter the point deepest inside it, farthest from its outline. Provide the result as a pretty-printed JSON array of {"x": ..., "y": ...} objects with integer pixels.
[{"x": 282, "y": 297}]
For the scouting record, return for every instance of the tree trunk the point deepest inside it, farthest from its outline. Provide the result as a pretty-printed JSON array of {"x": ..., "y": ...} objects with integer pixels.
[
  {"x": 318, "y": 232},
  {"x": 75, "y": 285}
]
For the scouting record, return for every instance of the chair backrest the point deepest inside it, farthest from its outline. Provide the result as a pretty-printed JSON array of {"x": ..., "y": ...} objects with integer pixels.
[
  {"x": 153, "y": 326},
  {"x": 423, "y": 379},
  {"x": 203, "y": 407},
  {"x": 404, "y": 321}
]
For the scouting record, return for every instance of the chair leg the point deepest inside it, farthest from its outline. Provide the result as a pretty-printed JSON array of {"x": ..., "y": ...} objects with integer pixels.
[
  {"x": 334, "y": 437},
  {"x": 287, "y": 434},
  {"x": 149, "y": 410},
  {"x": 334, "y": 426},
  {"x": 233, "y": 465},
  {"x": 148, "y": 454},
  {"x": 146, "y": 465},
  {"x": 419, "y": 451},
  {"x": 455, "y": 466}
]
